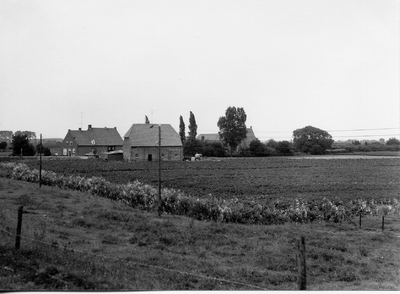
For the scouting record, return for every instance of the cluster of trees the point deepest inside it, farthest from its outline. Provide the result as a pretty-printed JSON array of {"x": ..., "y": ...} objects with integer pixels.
[
  {"x": 21, "y": 146},
  {"x": 391, "y": 144},
  {"x": 232, "y": 131}
]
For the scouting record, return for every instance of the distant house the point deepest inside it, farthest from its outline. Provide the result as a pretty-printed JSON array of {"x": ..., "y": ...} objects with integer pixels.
[
  {"x": 213, "y": 138},
  {"x": 141, "y": 143},
  {"x": 93, "y": 141},
  {"x": 209, "y": 138},
  {"x": 249, "y": 137}
]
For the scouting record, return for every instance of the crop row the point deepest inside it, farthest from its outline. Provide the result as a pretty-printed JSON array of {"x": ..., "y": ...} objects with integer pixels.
[
  {"x": 261, "y": 180},
  {"x": 144, "y": 196}
]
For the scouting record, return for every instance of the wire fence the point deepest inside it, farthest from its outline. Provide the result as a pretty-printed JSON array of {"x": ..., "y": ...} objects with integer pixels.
[
  {"x": 34, "y": 232},
  {"x": 67, "y": 247}
]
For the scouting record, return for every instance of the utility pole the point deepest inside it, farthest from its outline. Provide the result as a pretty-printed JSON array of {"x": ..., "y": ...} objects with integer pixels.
[
  {"x": 40, "y": 164},
  {"x": 159, "y": 171}
]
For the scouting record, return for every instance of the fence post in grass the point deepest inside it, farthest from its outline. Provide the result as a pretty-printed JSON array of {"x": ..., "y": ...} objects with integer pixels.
[
  {"x": 360, "y": 219},
  {"x": 19, "y": 226},
  {"x": 301, "y": 264},
  {"x": 383, "y": 222}
]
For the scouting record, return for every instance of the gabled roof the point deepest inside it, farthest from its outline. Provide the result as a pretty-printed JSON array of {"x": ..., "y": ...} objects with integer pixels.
[
  {"x": 208, "y": 137},
  {"x": 249, "y": 137},
  {"x": 215, "y": 137},
  {"x": 145, "y": 135},
  {"x": 97, "y": 136}
]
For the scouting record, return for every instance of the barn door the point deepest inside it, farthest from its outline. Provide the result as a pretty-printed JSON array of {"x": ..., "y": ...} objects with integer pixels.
[{"x": 149, "y": 157}]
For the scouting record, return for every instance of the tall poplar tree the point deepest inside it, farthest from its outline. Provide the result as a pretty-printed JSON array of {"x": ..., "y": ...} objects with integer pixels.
[
  {"x": 192, "y": 127},
  {"x": 182, "y": 129}
]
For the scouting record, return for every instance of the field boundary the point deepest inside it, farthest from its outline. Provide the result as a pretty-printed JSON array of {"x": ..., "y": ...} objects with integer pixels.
[
  {"x": 144, "y": 196},
  {"x": 137, "y": 263}
]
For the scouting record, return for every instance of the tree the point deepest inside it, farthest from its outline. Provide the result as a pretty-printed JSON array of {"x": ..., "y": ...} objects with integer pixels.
[
  {"x": 232, "y": 127},
  {"x": 312, "y": 140},
  {"x": 192, "y": 127},
  {"x": 146, "y": 120},
  {"x": 284, "y": 148},
  {"x": 42, "y": 149},
  {"x": 6, "y": 136},
  {"x": 214, "y": 149},
  {"x": 257, "y": 148},
  {"x": 393, "y": 141},
  {"x": 271, "y": 143},
  {"x": 182, "y": 131},
  {"x": 30, "y": 135},
  {"x": 3, "y": 146},
  {"x": 20, "y": 143},
  {"x": 191, "y": 147}
]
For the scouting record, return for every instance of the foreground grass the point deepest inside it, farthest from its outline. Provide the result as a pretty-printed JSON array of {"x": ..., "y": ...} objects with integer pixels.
[{"x": 77, "y": 241}]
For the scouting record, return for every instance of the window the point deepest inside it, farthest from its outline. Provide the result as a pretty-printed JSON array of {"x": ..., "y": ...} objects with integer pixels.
[
  {"x": 136, "y": 155},
  {"x": 110, "y": 148},
  {"x": 73, "y": 150},
  {"x": 66, "y": 142},
  {"x": 70, "y": 143}
]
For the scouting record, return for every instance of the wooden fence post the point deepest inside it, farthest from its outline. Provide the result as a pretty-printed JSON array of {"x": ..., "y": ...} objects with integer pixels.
[
  {"x": 383, "y": 222},
  {"x": 19, "y": 226},
  {"x": 360, "y": 219},
  {"x": 301, "y": 264}
]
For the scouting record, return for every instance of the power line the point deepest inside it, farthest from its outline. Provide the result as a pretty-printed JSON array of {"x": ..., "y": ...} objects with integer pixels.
[
  {"x": 354, "y": 130},
  {"x": 377, "y": 135},
  {"x": 282, "y": 132}
]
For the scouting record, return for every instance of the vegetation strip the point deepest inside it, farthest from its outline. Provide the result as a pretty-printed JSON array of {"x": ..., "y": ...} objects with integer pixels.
[{"x": 143, "y": 196}]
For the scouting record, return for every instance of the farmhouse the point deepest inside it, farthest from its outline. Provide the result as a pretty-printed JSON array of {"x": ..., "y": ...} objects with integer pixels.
[
  {"x": 93, "y": 141},
  {"x": 212, "y": 138},
  {"x": 141, "y": 143}
]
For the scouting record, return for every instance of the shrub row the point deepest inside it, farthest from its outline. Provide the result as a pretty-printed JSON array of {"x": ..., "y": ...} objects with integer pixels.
[{"x": 143, "y": 196}]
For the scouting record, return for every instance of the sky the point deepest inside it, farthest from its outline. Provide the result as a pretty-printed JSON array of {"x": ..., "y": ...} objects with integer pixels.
[{"x": 334, "y": 65}]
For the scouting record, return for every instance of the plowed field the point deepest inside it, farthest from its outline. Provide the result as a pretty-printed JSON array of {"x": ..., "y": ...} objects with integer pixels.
[{"x": 258, "y": 179}]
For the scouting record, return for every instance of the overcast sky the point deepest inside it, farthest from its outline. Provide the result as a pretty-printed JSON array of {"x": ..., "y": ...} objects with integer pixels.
[{"x": 289, "y": 63}]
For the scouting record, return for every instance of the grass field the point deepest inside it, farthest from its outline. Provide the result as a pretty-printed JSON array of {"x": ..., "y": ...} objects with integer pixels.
[{"x": 77, "y": 241}]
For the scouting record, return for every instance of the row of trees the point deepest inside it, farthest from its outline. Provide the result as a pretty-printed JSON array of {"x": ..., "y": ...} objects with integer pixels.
[
  {"x": 232, "y": 131},
  {"x": 21, "y": 146}
]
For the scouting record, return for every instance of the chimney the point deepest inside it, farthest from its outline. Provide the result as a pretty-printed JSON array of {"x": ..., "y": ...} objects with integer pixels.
[
  {"x": 80, "y": 129},
  {"x": 89, "y": 127}
]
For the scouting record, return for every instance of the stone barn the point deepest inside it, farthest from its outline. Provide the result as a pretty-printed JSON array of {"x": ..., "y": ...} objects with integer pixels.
[{"x": 141, "y": 143}]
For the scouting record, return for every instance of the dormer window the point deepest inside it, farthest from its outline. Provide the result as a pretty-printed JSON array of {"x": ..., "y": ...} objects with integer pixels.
[{"x": 93, "y": 142}]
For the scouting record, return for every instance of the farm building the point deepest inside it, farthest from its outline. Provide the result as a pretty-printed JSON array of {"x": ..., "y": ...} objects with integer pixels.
[
  {"x": 209, "y": 138},
  {"x": 212, "y": 138},
  {"x": 93, "y": 141},
  {"x": 249, "y": 137},
  {"x": 141, "y": 143}
]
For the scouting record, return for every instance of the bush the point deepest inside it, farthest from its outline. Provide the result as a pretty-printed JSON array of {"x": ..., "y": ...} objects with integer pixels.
[{"x": 284, "y": 148}]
